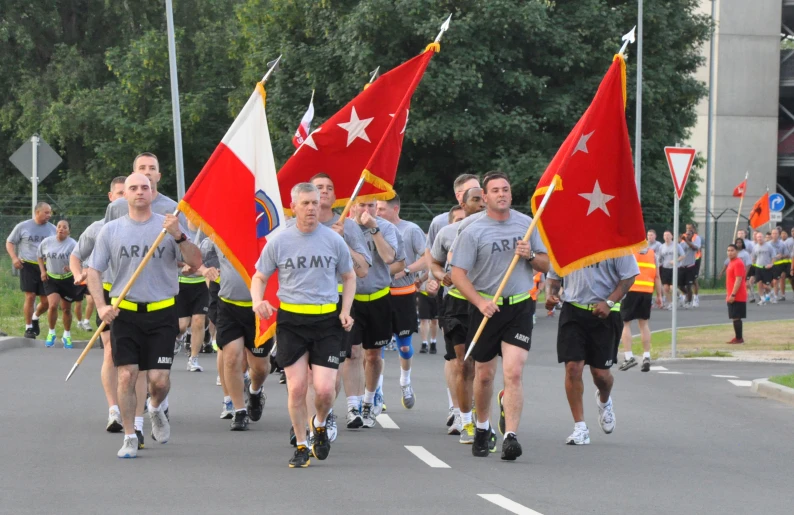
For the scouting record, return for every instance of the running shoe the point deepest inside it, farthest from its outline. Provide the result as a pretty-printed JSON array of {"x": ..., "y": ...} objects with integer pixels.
[
  {"x": 408, "y": 396},
  {"x": 580, "y": 436},
  {"x": 293, "y": 440},
  {"x": 283, "y": 378},
  {"x": 246, "y": 387},
  {"x": 240, "y": 422},
  {"x": 301, "y": 458},
  {"x": 433, "y": 348},
  {"x": 330, "y": 425},
  {"x": 423, "y": 349},
  {"x": 467, "y": 434},
  {"x": 139, "y": 435},
  {"x": 50, "y": 341},
  {"x": 511, "y": 449},
  {"x": 161, "y": 428},
  {"x": 646, "y": 365},
  {"x": 256, "y": 403},
  {"x": 67, "y": 342},
  {"x": 129, "y": 449},
  {"x": 321, "y": 443},
  {"x": 367, "y": 417},
  {"x": 774, "y": 299},
  {"x": 228, "y": 411},
  {"x": 782, "y": 298},
  {"x": 114, "y": 422},
  {"x": 354, "y": 420},
  {"x": 377, "y": 404},
  {"x": 84, "y": 325},
  {"x": 36, "y": 328},
  {"x": 606, "y": 415},
  {"x": 479, "y": 447},
  {"x": 29, "y": 333},
  {"x": 450, "y": 417},
  {"x": 500, "y": 401},
  {"x": 193, "y": 365},
  {"x": 761, "y": 302},
  {"x": 456, "y": 427},
  {"x": 492, "y": 441},
  {"x": 695, "y": 302},
  {"x": 627, "y": 364},
  {"x": 737, "y": 341}
]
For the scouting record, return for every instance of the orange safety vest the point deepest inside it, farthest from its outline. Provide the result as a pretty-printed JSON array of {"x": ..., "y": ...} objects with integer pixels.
[
  {"x": 645, "y": 282},
  {"x": 535, "y": 290},
  {"x": 698, "y": 254}
]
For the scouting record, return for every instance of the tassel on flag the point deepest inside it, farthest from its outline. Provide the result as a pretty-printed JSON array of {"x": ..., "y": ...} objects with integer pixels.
[
  {"x": 739, "y": 190},
  {"x": 305, "y": 126},
  {"x": 759, "y": 214}
]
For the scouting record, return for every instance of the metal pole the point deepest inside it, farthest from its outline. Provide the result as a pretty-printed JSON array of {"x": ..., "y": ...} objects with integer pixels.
[
  {"x": 35, "y": 178},
  {"x": 638, "y": 127},
  {"x": 180, "y": 166},
  {"x": 676, "y": 238},
  {"x": 710, "y": 144}
]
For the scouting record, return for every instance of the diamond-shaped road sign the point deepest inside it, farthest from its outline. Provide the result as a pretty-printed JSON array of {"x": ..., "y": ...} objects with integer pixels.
[
  {"x": 48, "y": 160},
  {"x": 679, "y": 160}
]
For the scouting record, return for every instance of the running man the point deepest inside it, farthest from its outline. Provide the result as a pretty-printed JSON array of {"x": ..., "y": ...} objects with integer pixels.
[
  {"x": 307, "y": 257},
  {"x": 427, "y": 307},
  {"x": 736, "y": 293},
  {"x": 481, "y": 255},
  {"x": 688, "y": 267},
  {"x": 23, "y": 245},
  {"x": 763, "y": 263},
  {"x": 145, "y": 323},
  {"x": 58, "y": 280},
  {"x": 637, "y": 306},
  {"x": 192, "y": 305},
  {"x": 780, "y": 266}
]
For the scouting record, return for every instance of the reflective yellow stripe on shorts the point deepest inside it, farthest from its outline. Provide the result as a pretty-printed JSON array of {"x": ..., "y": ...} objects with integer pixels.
[
  {"x": 60, "y": 276},
  {"x": 308, "y": 309},
  {"x": 241, "y": 303},
  {"x": 369, "y": 297},
  {"x": 513, "y": 299},
  {"x": 151, "y": 306},
  {"x": 591, "y": 307}
]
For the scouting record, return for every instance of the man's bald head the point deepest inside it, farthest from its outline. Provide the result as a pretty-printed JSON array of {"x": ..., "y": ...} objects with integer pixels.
[{"x": 138, "y": 190}]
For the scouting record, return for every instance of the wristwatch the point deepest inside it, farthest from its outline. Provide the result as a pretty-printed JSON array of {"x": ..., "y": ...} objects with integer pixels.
[
  {"x": 374, "y": 230},
  {"x": 531, "y": 255},
  {"x": 181, "y": 238},
  {"x": 406, "y": 271},
  {"x": 610, "y": 303}
]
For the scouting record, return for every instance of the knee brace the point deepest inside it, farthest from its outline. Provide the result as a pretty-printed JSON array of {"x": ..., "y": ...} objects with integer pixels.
[{"x": 405, "y": 341}]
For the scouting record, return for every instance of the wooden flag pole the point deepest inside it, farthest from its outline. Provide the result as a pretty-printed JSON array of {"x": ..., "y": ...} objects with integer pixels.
[
  {"x": 512, "y": 265},
  {"x": 120, "y": 298},
  {"x": 741, "y": 201},
  {"x": 349, "y": 204}
]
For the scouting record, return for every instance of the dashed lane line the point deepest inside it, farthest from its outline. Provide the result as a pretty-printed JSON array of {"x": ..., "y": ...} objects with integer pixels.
[
  {"x": 424, "y": 455},
  {"x": 740, "y": 382},
  {"x": 724, "y": 376},
  {"x": 386, "y": 422},
  {"x": 671, "y": 372},
  {"x": 657, "y": 368},
  {"x": 511, "y": 506}
]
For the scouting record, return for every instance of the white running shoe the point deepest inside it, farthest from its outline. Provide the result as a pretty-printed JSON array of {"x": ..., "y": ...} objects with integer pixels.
[
  {"x": 366, "y": 415},
  {"x": 695, "y": 302},
  {"x": 193, "y": 365},
  {"x": 161, "y": 428},
  {"x": 450, "y": 417},
  {"x": 774, "y": 299},
  {"x": 114, "y": 422},
  {"x": 408, "y": 396},
  {"x": 377, "y": 403},
  {"x": 130, "y": 448},
  {"x": 85, "y": 325},
  {"x": 330, "y": 426},
  {"x": 456, "y": 427},
  {"x": 579, "y": 436},
  {"x": 606, "y": 415},
  {"x": 228, "y": 411}
]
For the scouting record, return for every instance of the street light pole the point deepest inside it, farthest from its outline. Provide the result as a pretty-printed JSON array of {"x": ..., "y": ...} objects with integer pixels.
[
  {"x": 180, "y": 166},
  {"x": 710, "y": 144},
  {"x": 638, "y": 127}
]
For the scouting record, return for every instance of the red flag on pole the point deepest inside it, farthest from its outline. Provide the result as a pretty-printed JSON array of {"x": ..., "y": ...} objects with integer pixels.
[
  {"x": 241, "y": 171},
  {"x": 305, "y": 126},
  {"x": 739, "y": 190},
  {"x": 759, "y": 214},
  {"x": 363, "y": 139},
  {"x": 595, "y": 190}
]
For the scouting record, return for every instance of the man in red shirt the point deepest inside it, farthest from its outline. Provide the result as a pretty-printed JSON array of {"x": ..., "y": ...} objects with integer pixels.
[{"x": 736, "y": 292}]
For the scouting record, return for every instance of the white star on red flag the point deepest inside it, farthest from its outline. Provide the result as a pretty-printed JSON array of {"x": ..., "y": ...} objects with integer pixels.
[
  {"x": 309, "y": 141},
  {"x": 356, "y": 128},
  {"x": 581, "y": 146},
  {"x": 598, "y": 199}
]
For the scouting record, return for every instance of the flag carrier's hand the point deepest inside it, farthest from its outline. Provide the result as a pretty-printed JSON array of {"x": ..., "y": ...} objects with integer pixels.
[
  {"x": 263, "y": 309},
  {"x": 487, "y": 307},
  {"x": 523, "y": 249},
  {"x": 432, "y": 287},
  {"x": 107, "y": 313},
  {"x": 339, "y": 227},
  {"x": 171, "y": 226},
  {"x": 601, "y": 310}
]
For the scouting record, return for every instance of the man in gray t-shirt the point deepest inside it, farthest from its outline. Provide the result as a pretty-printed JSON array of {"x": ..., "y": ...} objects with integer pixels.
[
  {"x": 144, "y": 323},
  {"x": 763, "y": 256},
  {"x": 22, "y": 245},
  {"x": 53, "y": 255},
  {"x": 589, "y": 333},
  {"x": 481, "y": 257}
]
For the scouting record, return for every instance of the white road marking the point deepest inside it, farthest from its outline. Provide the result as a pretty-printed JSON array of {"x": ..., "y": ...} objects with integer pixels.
[
  {"x": 671, "y": 372},
  {"x": 424, "y": 455},
  {"x": 740, "y": 382},
  {"x": 511, "y": 506},
  {"x": 386, "y": 422},
  {"x": 656, "y": 368},
  {"x": 724, "y": 377}
]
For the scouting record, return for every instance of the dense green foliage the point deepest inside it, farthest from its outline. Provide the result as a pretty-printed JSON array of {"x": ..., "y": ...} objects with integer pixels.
[{"x": 513, "y": 76}]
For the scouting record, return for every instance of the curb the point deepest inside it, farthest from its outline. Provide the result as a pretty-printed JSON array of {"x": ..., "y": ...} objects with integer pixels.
[
  {"x": 773, "y": 391},
  {"x": 19, "y": 342}
]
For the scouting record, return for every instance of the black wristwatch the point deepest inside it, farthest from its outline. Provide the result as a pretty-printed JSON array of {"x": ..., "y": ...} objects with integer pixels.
[
  {"x": 181, "y": 239},
  {"x": 531, "y": 255},
  {"x": 374, "y": 230}
]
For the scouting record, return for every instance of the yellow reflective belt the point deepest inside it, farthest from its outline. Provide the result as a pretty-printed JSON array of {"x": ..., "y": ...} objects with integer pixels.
[
  {"x": 423, "y": 293},
  {"x": 60, "y": 276},
  {"x": 514, "y": 299},
  {"x": 369, "y": 297},
  {"x": 308, "y": 309},
  {"x": 151, "y": 306},
  {"x": 591, "y": 307},
  {"x": 241, "y": 303},
  {"x": 31, "y": 262},
  {"x": 217, "y": 281},
  {"x": 455, "y": 293},
  {"x": 107, "y": 286},
  {"x": 339, "y": 288},
  {"x": 191, "y": 280}
]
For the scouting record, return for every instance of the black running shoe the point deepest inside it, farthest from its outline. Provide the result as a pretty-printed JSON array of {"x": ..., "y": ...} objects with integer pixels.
[
  {"x": 321, "y": 445},
  {"x": 283, "y": 378},
  {"x": 423, "y": 349},
  {"x": 433, "y": 347},
  {"x": 30, "y": 333},
  {"x": 36, "y": 329},
  {"x": 301, "y": 458},
  {"x": 646, "y": 364},
  {"x": 293, "y": 440},
  {"x": 256, "y": 403},
  {"x": 240, "y": 422},
  {"x": 500, "y": 400},
  {"x": 140, "y": 438},
  {"x": 511, "y": 449},
  {"x": 480, "y": 446}
]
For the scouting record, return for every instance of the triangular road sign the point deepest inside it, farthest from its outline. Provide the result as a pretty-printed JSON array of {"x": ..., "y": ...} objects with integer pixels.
[{"x": 679, "y": 160}]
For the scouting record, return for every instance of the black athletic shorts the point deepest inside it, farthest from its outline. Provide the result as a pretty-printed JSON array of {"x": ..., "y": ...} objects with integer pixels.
[
  {"x": 403, "y": 315},
  {"x": 697, "y": 269},
  {"x": 428, "y": 307},
  {"x": 737, "y": 310},
  {"x": 686, "y": 276},
  {"x": 454, "y": 322},
  {"x": 193, "y": 299},
  {"x": 347, "y": 338},
  {"x": 750, "y": 272},
  {"x": 145, "y": 339},
  {"x": 372, "y": 329},
  {"x": 66, "y": 288},
  {"x": 666, "y": 275},
  {"x": 763, "y": 275},
  {"x": 106, "y": 295},
  {"x": 780, "y": 269},
  {"x": 511, "y": 324},
  {"x": 30, "y": 279},
  {"x": 319, "y": 335},
  {"x": 212, "y": 307},
  {"x": 239, "y": 322},
  {"x": 636, "y": 306},
  {"x": 583, "y": 336}
]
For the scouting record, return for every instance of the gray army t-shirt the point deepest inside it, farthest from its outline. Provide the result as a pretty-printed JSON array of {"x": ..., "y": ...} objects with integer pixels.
[
  {"x": 594, "y": 283},
  {"x": 123, "y": 243},
  {"x": 438, "y": 223},
  {"x": 486, "y": 247},
  {"x": 27, "y": 236},
  {"x": 85, "y": 246},
  {"x": 379, "y": 276},
  {"x": 763, "y": 254},
  {"x": 56, "y": 254},
  {"x": 689, "y": 252},
  {"x": 665, "y": 256},
  {"x": 307, "y": 264},
  {"x": 161, "y": 205},
  {"x": 413, "y": 241},
  {"x": 779, "y": 249},
  {"x": 233, "y": 285},
  {"x": 209, "y": 255}
]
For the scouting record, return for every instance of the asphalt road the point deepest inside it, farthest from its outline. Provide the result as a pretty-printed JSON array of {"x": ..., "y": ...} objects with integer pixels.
[{"x": 685, "y": 442}]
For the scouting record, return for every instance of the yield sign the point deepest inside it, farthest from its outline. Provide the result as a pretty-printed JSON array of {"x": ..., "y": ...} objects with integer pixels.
[{"x": 679, "y": 160}]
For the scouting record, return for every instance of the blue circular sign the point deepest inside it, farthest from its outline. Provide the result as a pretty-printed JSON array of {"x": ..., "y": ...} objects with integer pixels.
[{"x": 776, "y": 202}]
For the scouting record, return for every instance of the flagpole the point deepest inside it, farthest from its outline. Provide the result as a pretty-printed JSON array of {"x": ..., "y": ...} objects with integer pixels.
[
  {"x": 741, "y": 201},
  {"x": 273, "y": 66},
  {"x": 677, "y": 242},
  {"x": 512, "y": 265},
  {"x": 120, "y": 298}
]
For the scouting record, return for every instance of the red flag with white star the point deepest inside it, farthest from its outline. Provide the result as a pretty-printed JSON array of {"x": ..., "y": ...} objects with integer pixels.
[
  {"x": 364, "y": 138},
  {"x": 594, "y": 212},
  {"x": 739, "y": 190}
]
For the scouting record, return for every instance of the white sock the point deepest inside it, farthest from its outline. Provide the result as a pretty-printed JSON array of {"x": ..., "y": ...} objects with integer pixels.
[
  {"x": 139, "y": 424},
  {"x": 113, "y": 408},
  {"x": 580, "y": 425},
  {"x": 424, "y": 342},
  {"x": 246, "y": 375},
  {"x": 405, "y": 377},
  {"x": 252, "y": 391},
  {"x": 227, "y": 399},
  {"x": 85, "y": 321},
  {"x": 449, "y": 397},
  {"x": 369, "y": 397},
  {"x": 52, "y": 331},
  {"x": 646, "y": 355},
  {"x": 465, "y": 418},
  {"x": 432, "y": 341},
  {"x": 456, "y": 411},
  {"x": 133, "y": 435},
  {"x": 164, "y": 404},
  {"x": 483, "y": 425},
  {"x": 628, "y": 355},
  {"x": 352, "y": 402},
  {"x": 317, "y": 423},
  {"x": 303, "y": 443},
  {"x": 239, "y": 410},
  {"x": 28, "y": 326},
  {"x": 67, "y": 334},
  {"x": 602, "y": 404},
  {"x": 35, "y": 316}
]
